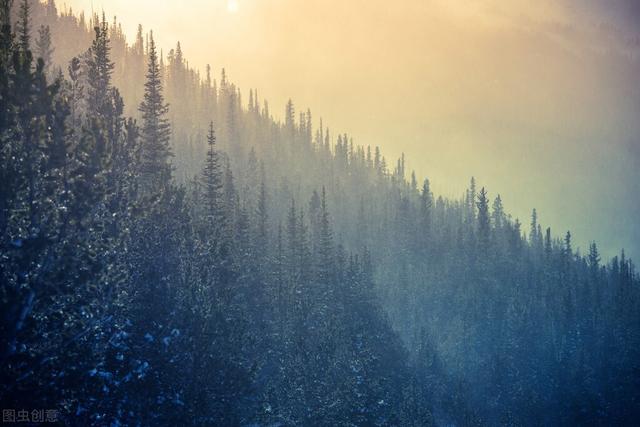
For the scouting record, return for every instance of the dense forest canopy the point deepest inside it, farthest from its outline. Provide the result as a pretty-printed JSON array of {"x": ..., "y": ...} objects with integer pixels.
[{"x": 172, "y": 255}]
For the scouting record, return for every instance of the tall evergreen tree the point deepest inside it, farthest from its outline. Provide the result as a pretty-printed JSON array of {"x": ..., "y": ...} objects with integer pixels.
[
  {"x": 593, "y": 259},
  {"x": 212, "y": 181},
  {"x": 497, "y": 213},
  {"x": 262, "y": 215},
  {"x": 100, "y": 72},
  {"x": 24, "y": 26},
  {"x": 44, "y": 49},
  {"x": 484, "y": 222},
  {"x": 156, "y": 130},
  {"x": 547, "y": 243},
  {"x": 426, "y": 205},
  {"x": 325, "y": 244},
  {"x": 472, "y": 198},
  {"x": 568, "y": 251}
]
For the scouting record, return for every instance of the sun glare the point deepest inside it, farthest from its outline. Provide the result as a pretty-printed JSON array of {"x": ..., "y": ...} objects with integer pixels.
[{"x": 232, "y": 6}]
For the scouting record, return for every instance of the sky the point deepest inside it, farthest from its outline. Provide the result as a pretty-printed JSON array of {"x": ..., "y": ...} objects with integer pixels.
[{"x": 540, "y": 101}]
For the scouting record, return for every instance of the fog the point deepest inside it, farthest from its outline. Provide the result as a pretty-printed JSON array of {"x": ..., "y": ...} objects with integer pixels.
[
  {"x": 539, "y": 103},
  {"x": 175, "y": 252}
]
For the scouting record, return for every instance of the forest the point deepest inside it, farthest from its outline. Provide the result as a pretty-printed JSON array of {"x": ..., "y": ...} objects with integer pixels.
[{"x": 171, "y": 254}]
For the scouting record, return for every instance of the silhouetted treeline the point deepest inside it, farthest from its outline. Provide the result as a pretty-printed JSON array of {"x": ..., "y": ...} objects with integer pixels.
[{"x": 172, "y": 255}]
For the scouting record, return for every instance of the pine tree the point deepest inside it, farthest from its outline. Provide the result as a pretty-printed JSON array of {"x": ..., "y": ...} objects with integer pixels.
[
  {"x": 6, "y": 45},
  {"x": 52, "y": 10},
  {"x": 547, "y": 243},
  {"x": 44, "y": 49},
  {"x": 76, "y": 89},
  {"x": 533, "y": 230},
  {"x": 232, "y": 121},
  {"x": 23, "y": 30},
  {"x": 139, "y": 43},
  {"x": 325, "y": 243},
  {"x": 262, "y": 215},
  {"x": 230, "y": 195},
  {"x": 484, "y": 223},
  {"x": 156, "y": 130},
  {"x": 426, "y": 205},
  {"x": 472, "y": 199},
  {"x": 99, "y": 74},
  {"x": 212, "y": 181},
  {"x": 593, "y": 260},
  {"x": 292, "y": 247},
  {"x": 568, "y": 251},
  {"x": 290, "y": 117},
  {"x": 497, "y": 213}
]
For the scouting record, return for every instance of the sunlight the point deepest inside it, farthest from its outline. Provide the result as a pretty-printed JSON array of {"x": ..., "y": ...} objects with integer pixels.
[
  {"x": 321, "y": 212},
  {"x": 232, "y": 6}
]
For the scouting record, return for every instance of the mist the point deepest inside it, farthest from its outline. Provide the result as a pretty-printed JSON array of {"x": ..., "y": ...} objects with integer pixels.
[
  {"x": 539, "y": 103},
  {"x": 263, "y": 214}
]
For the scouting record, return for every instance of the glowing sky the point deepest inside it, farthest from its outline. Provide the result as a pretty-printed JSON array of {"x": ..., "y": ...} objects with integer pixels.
[{"x": 539, "y": 100}]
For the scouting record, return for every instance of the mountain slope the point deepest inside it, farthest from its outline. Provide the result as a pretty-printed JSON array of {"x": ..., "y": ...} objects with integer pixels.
[{"x": 301, "y": 281}]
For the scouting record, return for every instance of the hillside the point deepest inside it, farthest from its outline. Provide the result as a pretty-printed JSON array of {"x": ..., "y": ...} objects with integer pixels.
[{"x": 202, "y": 263}]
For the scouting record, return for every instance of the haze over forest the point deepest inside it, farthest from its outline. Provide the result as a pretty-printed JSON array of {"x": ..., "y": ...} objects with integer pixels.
[
  {"x": 538, "y": 101},
  {"x": 190, "y": 245}
]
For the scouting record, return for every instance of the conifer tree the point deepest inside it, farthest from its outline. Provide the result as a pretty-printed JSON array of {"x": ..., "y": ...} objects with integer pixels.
[
  {"x": 290, "y": 117},
  {"x": 325, "y": 244},
  {"x": 484, "y": 223},
  {"x": 156, "y": 130},
  {"x": 52, "y": 10},
  {"x": 212, "y": 181},
  {"x": 533, "y": 230},
  {"x": 100, "y": 71},
  {"x": 23, "y": 30},
  {"x": 76, "y": 91},
  {"x": 472, "y": 198},
  {"x": 497, "y": 213},
  {"x": 568, "y": 251},
  {"x": 593, "y": 260},
  {"x": 262, "y": 214},
  {"x": 6, "y": 44},
  {"x": 44, "y": 49},
  {"x": 547, "y": 242},
  {"x": 426, "y": 205}
]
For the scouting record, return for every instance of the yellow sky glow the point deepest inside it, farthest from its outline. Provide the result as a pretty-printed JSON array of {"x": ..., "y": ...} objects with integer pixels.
[
  {"x": 538, "y": 100},
  {"x": 233, "y": 6}
]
